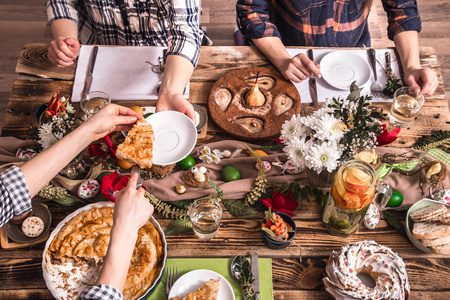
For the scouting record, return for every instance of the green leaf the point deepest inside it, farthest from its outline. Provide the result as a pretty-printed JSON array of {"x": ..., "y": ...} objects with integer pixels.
[
  {"x": 268, "y": 231},
  {"x": 68, "y": 200},
  {"x": 179, "y": 226},
  {"x": 305, "y": 192},
  {"x": 395, "y": 222},
  {"x": 181, "y": 203},
  {"x": 295, "y": 195},
  {"x": 238, "y": 208},
  {"x": 321, "y": 200}
]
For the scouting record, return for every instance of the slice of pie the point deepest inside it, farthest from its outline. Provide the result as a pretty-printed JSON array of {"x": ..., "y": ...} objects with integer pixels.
[
  {"x": 208, "y": 291},
  {"x": 138, "y": 145}
]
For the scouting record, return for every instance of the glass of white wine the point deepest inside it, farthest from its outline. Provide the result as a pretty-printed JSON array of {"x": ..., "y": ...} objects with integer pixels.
[
  {"x": 94, "y": 101},
  {"x": 405, "y": 106}
]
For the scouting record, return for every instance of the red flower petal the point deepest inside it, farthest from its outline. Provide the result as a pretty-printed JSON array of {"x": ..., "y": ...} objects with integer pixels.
[
  {"x": 278, "y": 200},
  {"x": 267, "y": 202},
  {"x": 386, "y": 137},
  {"x": 108, "y": 186}
]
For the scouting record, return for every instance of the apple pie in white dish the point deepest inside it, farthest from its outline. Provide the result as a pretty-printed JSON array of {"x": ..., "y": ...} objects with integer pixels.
[
  {"x": 137, "y": 149},
  {"x": 75, "y": 251}
]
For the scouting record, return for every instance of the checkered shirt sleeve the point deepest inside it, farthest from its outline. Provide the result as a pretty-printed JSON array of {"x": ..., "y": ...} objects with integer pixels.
[
  {"x": 101, "y": 292},
  {"x": 14, "y": 195},
  {"x": 171, "y": 23}
]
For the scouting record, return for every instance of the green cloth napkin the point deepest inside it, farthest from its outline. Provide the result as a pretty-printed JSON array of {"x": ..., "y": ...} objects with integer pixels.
[{"x": 221, "y": 266}]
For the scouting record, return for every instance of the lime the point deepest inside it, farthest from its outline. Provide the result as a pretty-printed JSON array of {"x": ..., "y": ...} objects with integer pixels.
[
  {"x": 230, "y": 173},
  {"x": 187, "y": 162},
  {"x": 396, "y": 199}
]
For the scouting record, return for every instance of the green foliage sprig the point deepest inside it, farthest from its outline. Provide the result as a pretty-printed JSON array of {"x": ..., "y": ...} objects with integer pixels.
[
  {"x": 238, "y": 208},
  {"x": 437, "y": 139},
  {"x": 361, "y": 125},
  {"x": 260, "y": 181}
]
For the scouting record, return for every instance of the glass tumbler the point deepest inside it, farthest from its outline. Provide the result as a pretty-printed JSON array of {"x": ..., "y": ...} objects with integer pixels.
[
  {"x": 94, "y": 101},
  {"x": 353, "y": 189},
  {"x": 205, "y": 215},
  {"x": 405, "y": 106}
]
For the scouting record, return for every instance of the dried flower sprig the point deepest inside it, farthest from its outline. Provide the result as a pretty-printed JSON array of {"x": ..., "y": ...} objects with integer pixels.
[
  {"x": 260, "y": 181},
  {"x": 52, "y": 192},
  {"x": 164, "y": 208}
]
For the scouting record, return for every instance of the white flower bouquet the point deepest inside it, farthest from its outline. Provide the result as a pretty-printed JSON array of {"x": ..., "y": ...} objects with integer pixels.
[{"x": 332, "y": 134}]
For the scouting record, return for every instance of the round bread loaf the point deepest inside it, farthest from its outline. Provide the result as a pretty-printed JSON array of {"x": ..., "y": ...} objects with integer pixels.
[
  {"x": 33, "y": 226},
  {"x": 385, "y": 267}
]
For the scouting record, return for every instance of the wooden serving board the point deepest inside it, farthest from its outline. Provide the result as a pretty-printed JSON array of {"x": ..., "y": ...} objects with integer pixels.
[
  {"x": 237, "y": 118},
  {"x": 33, "y": 61}
]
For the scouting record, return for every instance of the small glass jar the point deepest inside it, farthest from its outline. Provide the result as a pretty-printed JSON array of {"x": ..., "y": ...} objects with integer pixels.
[{"x": 352, "y": 191}]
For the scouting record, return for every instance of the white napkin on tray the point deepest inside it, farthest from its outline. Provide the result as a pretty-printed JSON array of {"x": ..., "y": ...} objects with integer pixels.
[
  {"x": 122, "y": 72},
  {"x": 325, "y": 90}
]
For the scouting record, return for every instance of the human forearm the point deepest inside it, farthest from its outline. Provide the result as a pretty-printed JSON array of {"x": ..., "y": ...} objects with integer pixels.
[
  {"x": 407, "y": 44},
  {"x": 117, "y": 261},
  {"x": 177, "y": 73},
  {"x": 64, "y": 28},
  {"x": 274, "y": 50},
  {"x": 41, "y": 169}
]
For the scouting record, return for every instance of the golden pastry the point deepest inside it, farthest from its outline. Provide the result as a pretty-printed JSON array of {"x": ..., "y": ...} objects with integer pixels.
[
  {"x": 208, "y": 291},
  {"x": 138, "y": 145}
]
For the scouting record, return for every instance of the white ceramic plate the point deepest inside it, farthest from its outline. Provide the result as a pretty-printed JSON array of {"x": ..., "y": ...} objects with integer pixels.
[
  {"x": 193, "y": 280},
  {"x": 341, "y": 68},
  {"x": 175, "y": 136},
  {"x": 64, "y": 289},
  {"x": 410, "y": 223}
]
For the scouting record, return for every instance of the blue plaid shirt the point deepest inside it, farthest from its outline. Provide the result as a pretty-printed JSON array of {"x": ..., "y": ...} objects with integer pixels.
[
  {"x": 171, "y": 23},
  {"x": 101, "y": 292},
  {"x": 321, "y": 23},
  {"x": 14, "y": 195}
]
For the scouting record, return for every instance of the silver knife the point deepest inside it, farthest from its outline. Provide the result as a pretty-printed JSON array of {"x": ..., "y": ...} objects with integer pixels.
[
  {"x": 255, "y": 272},
  {"x": 90, "y": 70},
  {"x": 312, "y": 82},
  {"x": 137, "y": 169}
]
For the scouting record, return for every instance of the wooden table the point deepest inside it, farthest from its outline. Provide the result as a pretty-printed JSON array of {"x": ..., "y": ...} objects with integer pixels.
[{"x": 21, "y": 273}]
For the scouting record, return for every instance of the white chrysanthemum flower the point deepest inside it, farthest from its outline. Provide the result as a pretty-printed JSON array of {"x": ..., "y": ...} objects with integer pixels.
[
  {"x": 206, "y": 158},
  {"x": 318, "y": 114},
  {"x": 328, "y": 129},
  {"x": 297, "y": 150},
  {"x": 45, "y": 130},
  {"x": 324, "y": 156},
  {"x": 47, "y": 141},
  {"x": 291, "y": 128}
]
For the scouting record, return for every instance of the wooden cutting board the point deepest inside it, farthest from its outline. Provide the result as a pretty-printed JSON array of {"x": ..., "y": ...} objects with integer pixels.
[
  {"x": 33, "y": 61},
  {"x": 236, "y": 117}
]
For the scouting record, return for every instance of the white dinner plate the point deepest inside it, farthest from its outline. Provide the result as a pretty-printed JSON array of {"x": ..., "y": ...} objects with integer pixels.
[
  {"x": 193, "y": 280},
  {"x": 175, "y": 136},
  {"x": 341, "y": 68}
]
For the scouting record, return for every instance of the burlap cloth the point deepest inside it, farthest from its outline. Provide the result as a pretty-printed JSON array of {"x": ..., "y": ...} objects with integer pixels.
[{"x": 164, "y": 188}]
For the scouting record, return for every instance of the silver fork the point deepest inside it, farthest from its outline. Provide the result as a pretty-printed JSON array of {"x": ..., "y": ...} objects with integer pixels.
[
  {"x": 375, "y": 88},
  {"x": 171, "y": 277}
]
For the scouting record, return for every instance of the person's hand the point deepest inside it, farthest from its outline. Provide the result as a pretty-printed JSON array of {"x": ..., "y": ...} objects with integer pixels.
[
  {"x": 424, "y": 79},
  {"x": 111, "y": 118},
  {"x": 299, "y": 68},
  {"x": 132, "y": 210},
  {"x": 63, "y": 51},
  {"x": 175, "y": 101}
]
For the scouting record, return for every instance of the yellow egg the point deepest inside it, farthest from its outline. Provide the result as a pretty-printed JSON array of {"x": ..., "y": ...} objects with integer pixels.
[
  {"x": 259, "y": 152},
  {"x": 124, "y": 164},
  {"x": 138, "y": 109}
]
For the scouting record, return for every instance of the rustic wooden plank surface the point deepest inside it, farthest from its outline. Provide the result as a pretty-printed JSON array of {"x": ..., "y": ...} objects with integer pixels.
[{"x": 21, "y": 273}]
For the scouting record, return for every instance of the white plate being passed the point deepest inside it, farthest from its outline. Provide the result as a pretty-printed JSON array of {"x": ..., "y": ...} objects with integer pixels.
[
  {"x": 175, "y": 136},
  {"x": 341, "y": 68},
  {"x": 193, "y": 280}
]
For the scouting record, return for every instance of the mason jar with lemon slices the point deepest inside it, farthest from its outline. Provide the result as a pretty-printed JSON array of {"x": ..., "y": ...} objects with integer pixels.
[{"x": 352, "y": 191}]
